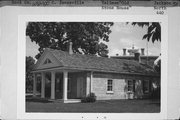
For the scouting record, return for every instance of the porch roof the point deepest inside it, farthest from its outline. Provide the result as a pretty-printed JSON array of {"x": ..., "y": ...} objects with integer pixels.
[{"x": 101, "y": 64}]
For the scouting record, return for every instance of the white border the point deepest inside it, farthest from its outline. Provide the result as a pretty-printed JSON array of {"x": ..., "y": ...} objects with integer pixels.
[{"x": 23, "y": 19}]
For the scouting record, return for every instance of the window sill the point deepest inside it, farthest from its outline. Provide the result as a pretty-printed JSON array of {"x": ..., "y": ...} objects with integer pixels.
[
  {"x": 109, "y": 92},
  {"x": 130, "y": 92}
]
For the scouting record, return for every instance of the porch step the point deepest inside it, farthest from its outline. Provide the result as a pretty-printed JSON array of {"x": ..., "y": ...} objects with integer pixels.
[{"x": 72, "y": 101}]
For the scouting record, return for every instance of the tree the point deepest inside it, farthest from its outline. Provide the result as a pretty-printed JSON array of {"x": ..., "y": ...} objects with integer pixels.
[
  {"x": 29, "y": 78},
  {"x": 153, "y": 32},
  {"x": 157, "y": 64},
  {"x": 85, "y": 36}
]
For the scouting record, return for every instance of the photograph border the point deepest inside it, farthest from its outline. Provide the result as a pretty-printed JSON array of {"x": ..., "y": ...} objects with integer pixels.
[{"x": 22, "y": 23}]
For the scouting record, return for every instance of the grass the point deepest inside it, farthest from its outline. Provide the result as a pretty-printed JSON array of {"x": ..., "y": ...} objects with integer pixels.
[{"x": 100, "y": 106}]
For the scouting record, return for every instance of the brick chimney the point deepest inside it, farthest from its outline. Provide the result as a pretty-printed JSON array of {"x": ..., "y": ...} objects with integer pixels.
[
  {"x": 124, "y": 51},
  {"x": 70, "y": 48},
  {"x": 142, "y": 51},
  {"x": 137, "y": 57}
]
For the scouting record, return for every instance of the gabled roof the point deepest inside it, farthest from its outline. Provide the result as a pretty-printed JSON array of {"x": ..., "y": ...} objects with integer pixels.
[{"x": 101, "y": 64}]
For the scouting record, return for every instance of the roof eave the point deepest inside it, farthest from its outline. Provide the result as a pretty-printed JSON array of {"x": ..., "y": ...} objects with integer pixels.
[{"x": 93, "y": 70}]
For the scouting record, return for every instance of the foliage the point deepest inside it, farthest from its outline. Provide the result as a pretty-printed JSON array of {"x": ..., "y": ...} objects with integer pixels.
[
  {"x": 29, "y": 78},
  {"x": 85, "y": 36},
  {"x": 153, "y": 32},
  {"x": 90, "y": 98}
]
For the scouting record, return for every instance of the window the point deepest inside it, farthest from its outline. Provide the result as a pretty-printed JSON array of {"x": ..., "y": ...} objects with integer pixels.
[
  {"x": 47, "y": 61},
  {"x": 145, "y": 86},
  {"x": 130, "y": 86},
  {"x": 110, "y": 85}
]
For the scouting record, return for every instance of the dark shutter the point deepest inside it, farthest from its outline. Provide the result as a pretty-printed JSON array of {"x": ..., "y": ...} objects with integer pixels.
[
  {"x": 150, "y": 85},
  {"x": 134, "y": 82},
  {"x": 143, "y": 85}
]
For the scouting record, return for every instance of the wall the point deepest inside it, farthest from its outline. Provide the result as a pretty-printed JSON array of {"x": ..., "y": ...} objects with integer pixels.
[
  {"x": 99, "y": 85},
  {"x": 100, "y": 89}
]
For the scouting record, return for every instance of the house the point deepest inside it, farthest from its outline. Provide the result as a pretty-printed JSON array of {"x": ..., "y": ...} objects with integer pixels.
[{"x": 70, "y": 77}]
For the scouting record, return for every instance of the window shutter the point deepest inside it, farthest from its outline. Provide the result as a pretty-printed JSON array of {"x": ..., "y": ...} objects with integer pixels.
[{"x": 134, "y": 81}]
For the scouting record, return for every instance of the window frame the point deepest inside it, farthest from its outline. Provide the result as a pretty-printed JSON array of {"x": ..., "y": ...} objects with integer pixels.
[{"x": 109, "y": 84}]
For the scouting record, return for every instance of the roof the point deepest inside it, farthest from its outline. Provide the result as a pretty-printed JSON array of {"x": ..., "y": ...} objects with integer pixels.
[
  {"x": 132, "y": 56},
  {"x": 101, "y": 64},
  {"x": 144, "y": 59}
]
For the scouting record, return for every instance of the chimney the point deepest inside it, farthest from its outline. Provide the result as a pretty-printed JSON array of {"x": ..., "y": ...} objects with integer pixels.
[
  {"x": 137, "y": 57},
  {"x": 124, "y": 51},
  {"x": 70, "y": 48},
  {"x": 142, "y": 51}
]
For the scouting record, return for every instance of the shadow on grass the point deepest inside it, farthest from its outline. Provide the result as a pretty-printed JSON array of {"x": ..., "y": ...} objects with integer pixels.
[
  {"x": 155, "y": 102},
  {"x": 34, "y": 99}
]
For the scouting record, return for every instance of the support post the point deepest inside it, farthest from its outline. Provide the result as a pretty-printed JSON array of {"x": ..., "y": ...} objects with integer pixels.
[
  {"x": 91, "y": 82},
  {"x": 65, "y": 85},
  {"x": 52, "y": 85},
  {"x": 34, "y": 85},
  {"x": 42, "y": 85},
  {"x": 88, "y": 84}
]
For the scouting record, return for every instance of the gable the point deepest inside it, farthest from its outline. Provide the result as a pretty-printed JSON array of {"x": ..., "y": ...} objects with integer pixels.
[{"x": 47, "y": 60}]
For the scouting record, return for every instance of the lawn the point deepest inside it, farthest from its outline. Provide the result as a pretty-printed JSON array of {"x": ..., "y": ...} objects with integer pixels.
[{"x": 100, "y": 106}]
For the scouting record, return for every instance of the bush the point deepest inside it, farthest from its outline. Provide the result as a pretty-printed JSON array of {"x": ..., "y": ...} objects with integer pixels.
[
  {"x": 156, "y": 93},
  {"x": 90, "y": 98}
]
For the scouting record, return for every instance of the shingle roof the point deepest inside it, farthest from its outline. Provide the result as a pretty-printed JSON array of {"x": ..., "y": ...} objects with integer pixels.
[
  {"x": 94, "y": 63},
  {"x": 143, "y": 58}
]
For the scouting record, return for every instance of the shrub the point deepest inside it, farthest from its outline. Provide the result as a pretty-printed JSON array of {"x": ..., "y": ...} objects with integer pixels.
[
  {"x": 90, "y": 98},
  {"x": 156, "y": 93}
]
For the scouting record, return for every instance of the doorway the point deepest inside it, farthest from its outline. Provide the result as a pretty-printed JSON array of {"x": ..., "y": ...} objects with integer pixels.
[{"x": 80, "y": 87}]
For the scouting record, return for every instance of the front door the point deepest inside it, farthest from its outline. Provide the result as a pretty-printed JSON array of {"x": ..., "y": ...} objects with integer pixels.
[{"x": 80, "y": 87}]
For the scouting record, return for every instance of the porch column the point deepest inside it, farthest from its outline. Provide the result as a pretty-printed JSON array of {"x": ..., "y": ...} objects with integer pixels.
[
  {"x": 88, "y": 83},
  {"x": 91, "y": 82},
  {"x": 42, "y": 84},
  {"x": 65, "y": 85},
  {"x": 34, "y": 84},
  {"x": 52, "y": 85}
]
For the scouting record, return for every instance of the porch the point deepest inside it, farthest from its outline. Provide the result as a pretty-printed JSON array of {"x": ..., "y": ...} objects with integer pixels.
[{"x": 67, "y": 86}]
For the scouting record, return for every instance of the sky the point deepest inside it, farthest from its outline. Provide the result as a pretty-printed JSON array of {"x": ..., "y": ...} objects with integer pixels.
[{"x": 122, "y": 36}]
